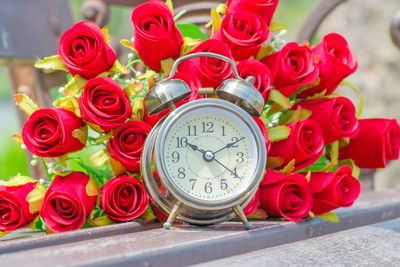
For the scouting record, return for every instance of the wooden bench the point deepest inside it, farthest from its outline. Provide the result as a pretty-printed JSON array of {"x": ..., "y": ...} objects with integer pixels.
[{"x": 148, "y": 244}]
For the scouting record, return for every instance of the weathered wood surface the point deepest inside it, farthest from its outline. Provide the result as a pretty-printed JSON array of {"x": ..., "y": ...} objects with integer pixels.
[
  {"x": 372, "y": 245},
  {"x": 185, "y": 245}
]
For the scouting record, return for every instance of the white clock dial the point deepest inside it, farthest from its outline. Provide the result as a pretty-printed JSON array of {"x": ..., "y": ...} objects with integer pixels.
[{"x": 210, "y": 154}]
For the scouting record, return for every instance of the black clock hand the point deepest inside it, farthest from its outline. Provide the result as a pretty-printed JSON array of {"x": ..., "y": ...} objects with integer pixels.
[
  {"x": 228, "y": 145},
  {"x": 234, "y": 174},
  {"x": 194, "y": 147}
]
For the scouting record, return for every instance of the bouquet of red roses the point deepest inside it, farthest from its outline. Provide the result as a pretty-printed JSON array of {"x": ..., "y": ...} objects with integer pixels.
[{"x": 315, "y": 140}]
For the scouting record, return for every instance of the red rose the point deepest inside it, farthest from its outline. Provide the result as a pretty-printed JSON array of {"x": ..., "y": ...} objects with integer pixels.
[
  {"x": 336, "y": 117},
  {"x": 332, "y": 190},
  {"x": 210, "y": 71},
  {"x": 244, "y": 33},
  {"x": 286, "y": 196},
  {"x": 156, "y": 36},
  {"x": 252, "y": 206},
  {"x": 68, "y": 201},
  {"x": 84, "y": 51},
  {"x": 194, "y": 84},
  {"x": 262, "y": 76},
  {"x": 305, "y": 145},
  {"x": 20, "y": 200},
  {"x": 104, "y": 103},
  {"x": 127, "y": 142},
  {"x": 292, "y": 67},
  {"x": 264, "y": 132},
  {"x": 264, "y": 8},
  {"x": 336, "y": 62},
  {"x": 123, "y": 198},
  {"x": 377, "y": 142},
  {"x": 48, "y": 132}
]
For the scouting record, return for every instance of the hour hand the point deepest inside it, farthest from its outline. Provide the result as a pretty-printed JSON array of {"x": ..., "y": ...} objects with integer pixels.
[
  {"x": 229, "y": 145},
  {"x": 194, "y": 147}
]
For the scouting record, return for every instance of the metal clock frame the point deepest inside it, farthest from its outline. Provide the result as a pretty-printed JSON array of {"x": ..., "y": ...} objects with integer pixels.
[{"x": 182, "y": 205}]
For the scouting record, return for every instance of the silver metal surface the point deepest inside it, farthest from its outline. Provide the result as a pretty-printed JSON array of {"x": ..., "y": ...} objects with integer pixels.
[
  {"x": 203, "y": 54},
  {"x": 164, "y": 94},
  {"x": 195, "y": 211},
  {"x": 243, "y": 94}
]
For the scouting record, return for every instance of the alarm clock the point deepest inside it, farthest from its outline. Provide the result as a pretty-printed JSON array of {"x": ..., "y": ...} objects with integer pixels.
[{"x": 203, "y": 162}]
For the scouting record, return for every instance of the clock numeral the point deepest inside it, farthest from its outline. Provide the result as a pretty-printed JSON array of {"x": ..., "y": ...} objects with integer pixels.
[
  {"x": 192, "y": 130},
  {"x": 224, "y": 185},
  {"x": 208, "y": 127},
  {"x": 235, "y": 139},
  {"x": 175, "y": 157},
  {"x": 193, "y": 181},
  {"x": 240, "y": 158},
  {"x": 181, "y": 142},
  {"x": 181, "y": 173},
  {"x": 207, "y": 188},
  {"x": 223, "y": 130},
  {"x": 234, "y": 172}
]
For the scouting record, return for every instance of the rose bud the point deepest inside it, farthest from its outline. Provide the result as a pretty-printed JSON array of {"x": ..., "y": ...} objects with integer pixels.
[
  {"x": 291, "y": 67},
  {"x": 336, "y": 117},
  {"x": 127, "y": 142},
  {"x": 332, "y": 190},
  {"x": 50, "y": 132},
  {"x": 194, "y": 84},
  {"x": 263, "y": 8},
  {"x": 104, "y": 104},
  {"x": 305, "y": 145},
  {"x": 377, "y": 142},
  {"x": 156, "y": 36},
  {"x": 244, "y": 33},
  {"x": 210, "y": 71},
  {"x": 69, "y": 201},
  {"x": 286, "y": 196},
  {"x": 20, "y": 201},
  {"x": 84, "y": 50},
  {"x": 123, "y": 198},
  {"x": 336, "y": 62},
  {"x": 262, "y": 76},
  {"x": 264, "y": 132}
]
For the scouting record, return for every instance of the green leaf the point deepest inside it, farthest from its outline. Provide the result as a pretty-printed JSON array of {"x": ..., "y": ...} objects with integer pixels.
[
  {"x": 278, "y": 133},
  {"x": 276, "y": 26},
  {"x": 279, "y": 99},
  {"x": 51, "y": 63},
  {"x": 192, "y": 31},
  {"x": 330, "y": 217},
  {"x": 75, "y": 86},
  {"x": 349, "y": 84},
  {"x": 360, "y": 106}
]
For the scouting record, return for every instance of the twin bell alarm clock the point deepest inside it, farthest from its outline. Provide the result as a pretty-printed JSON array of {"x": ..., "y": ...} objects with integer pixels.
[{"x": 203, "y": 162}]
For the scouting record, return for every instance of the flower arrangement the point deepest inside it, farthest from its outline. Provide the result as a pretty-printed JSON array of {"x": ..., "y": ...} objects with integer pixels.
[{"x": 315, "y": 140}]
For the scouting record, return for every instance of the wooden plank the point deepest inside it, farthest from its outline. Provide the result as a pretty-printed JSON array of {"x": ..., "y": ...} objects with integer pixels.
[
  {"x": 372, "y": 245},
  {"x": 39, "y": 240},
  {"x": 185, "y": 244}
]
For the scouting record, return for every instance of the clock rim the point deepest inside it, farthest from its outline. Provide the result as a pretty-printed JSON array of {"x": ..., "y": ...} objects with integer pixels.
[{"x": 236, "y": 198}]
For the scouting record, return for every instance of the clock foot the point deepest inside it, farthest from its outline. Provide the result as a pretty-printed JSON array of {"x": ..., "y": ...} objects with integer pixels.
[
  {"x": 240, "y": 214},
  {"x": 175, "y": 211}
]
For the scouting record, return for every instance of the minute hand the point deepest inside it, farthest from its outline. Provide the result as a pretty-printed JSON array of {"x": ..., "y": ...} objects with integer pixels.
[
  {"x": 234, "y": 174},
  {"x": 228, "y": 145}
]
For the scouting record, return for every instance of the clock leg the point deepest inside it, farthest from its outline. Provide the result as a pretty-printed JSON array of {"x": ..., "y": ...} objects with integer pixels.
[
  {"x": 240, "y": 214},
  {"x": 175, "y": 211}
]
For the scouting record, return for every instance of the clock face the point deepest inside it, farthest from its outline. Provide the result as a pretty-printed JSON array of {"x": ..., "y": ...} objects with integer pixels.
[{"x": 209, "y": 154}]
